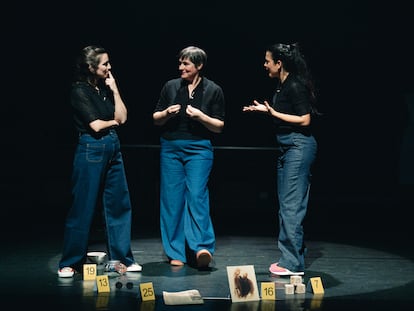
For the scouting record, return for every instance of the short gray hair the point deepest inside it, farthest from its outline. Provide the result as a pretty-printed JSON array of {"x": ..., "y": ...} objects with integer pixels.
[{"x": 195, "y": 54}]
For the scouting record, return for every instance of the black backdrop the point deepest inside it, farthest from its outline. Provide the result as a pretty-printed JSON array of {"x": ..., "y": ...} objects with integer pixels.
[{"x": 359, "y": 51}]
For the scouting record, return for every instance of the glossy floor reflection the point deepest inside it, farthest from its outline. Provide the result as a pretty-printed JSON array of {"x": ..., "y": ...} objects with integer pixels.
[{"x": 353, "y": 277}]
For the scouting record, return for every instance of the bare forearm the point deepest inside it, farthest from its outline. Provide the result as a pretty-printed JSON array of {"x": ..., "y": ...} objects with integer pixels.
[
  {"x": 120, "y": 109},
  {"x": 99, "y": 125},
  {"x": 212, "y": 124},
  {"x": 160, "y": 117},
  {"x": 303, "y": 120}
]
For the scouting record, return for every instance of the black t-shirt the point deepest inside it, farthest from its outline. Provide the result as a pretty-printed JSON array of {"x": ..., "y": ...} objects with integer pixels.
[
  {"x": 89, "y": 105},
  {"x": 208, "y": 97},
  {"x": 292, "y": 97}
]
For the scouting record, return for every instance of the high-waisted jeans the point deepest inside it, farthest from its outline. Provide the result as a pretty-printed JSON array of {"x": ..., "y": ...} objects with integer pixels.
[
  {"x": 296, "y": 154},
  {"x": 185, "y": 167},
  {"x": 98, "y": 175}
]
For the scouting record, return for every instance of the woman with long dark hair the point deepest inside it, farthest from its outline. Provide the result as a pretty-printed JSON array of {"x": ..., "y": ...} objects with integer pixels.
[
  {"x": 98, "y": 174},
  {"x": 291, "y": 110}
]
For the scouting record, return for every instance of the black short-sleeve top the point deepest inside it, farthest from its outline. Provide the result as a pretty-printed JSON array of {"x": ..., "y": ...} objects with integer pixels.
[
  {"x": 89, "y": 105},
  {"x": 207, "y": 96},
  {"x": 292, "y": 97}
]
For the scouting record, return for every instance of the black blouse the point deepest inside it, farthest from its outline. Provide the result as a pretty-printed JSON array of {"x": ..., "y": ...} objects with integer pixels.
[
  {"x": 291, "y": 97},
  {"x": 89, "y": 105},
  {"x": 208, "y": 97}
]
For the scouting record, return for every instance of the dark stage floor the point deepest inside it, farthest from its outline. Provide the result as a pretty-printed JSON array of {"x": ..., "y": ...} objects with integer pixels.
[
  {"x": 359, "y": 241},
  {"x": 353, "y": 277}
]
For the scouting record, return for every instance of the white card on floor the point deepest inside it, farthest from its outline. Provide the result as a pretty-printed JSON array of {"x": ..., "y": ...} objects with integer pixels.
[
  {"x": 187, "y": 297},
  {"x": 242, "y": 283}
]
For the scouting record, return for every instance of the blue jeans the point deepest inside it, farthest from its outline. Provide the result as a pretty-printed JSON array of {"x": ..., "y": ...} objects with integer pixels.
[
  {"x": 296, "y": 154},
  {"x": 185, "y": 167},
  {"x": 98, "y": 175}
]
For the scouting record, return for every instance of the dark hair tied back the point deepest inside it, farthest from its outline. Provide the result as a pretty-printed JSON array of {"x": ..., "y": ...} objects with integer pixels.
[
  {"x": 294, "y": 62},
  {"x": 88, "y": 57}
]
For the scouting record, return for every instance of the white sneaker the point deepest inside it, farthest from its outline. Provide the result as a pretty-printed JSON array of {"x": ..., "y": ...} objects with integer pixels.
[
  {"x": 66, "y": 272},
  {"x": 134, "y": 268}
]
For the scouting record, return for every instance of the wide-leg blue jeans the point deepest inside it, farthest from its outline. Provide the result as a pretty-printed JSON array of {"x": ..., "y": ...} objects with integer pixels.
[
  {"x": 98, "y": 174},
  {"x": 296, "y": 154},
  {"x": 185, "y": 167}
]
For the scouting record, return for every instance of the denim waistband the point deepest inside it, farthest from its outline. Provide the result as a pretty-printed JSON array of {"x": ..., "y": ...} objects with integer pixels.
[{"x": 100, "y": 134}]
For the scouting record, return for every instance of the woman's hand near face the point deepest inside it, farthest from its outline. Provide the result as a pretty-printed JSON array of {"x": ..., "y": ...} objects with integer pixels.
[{"x": 111, "y": 83}]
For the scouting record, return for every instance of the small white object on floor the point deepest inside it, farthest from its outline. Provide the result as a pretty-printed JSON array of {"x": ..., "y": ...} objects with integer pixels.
[{"x": 187, "y": 297}]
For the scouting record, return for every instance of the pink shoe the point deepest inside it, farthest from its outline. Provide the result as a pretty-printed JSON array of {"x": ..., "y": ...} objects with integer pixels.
[{"x": 275, "y": 269}]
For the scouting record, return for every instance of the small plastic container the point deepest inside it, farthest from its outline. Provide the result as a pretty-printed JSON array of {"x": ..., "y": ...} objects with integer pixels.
[{"x": 115, "y": 266}]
